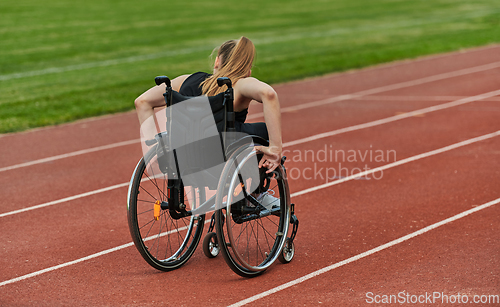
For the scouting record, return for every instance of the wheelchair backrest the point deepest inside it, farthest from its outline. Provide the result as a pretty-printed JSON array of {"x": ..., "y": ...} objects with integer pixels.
[
  {"x": 198, "y": 131},
  {"x": 194, "y": 135},
  {"x": 216, "y": 104}
]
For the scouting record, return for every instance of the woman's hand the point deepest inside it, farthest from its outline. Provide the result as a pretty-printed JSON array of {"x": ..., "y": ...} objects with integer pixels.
[{"x": 271, "y": 159}]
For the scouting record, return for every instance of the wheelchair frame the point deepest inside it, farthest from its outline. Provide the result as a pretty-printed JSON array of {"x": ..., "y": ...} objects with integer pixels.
[{"x": 170, "y": 207}]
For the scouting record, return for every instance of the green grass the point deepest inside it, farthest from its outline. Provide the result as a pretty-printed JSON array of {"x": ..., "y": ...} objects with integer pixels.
[{"x": 63, "y": 60}]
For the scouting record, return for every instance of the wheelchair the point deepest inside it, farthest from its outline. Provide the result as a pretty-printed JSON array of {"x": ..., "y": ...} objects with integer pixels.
[{"x": 250, "y": 214}]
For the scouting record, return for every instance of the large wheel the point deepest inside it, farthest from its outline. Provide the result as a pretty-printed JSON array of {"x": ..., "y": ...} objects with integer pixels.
[
  {"x": 166, "y": 242},
  {"x": 252, "y": 231}
]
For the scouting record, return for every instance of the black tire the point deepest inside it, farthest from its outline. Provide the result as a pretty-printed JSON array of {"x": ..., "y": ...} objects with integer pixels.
[
  {"x": 165, "y": 243},
  {"x": 211, "y": 245},
  {"x": 288, "y": 252},
  {"x": 250, "y": 238}
]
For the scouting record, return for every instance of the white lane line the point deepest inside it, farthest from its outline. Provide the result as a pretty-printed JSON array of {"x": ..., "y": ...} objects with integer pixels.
[
  {"x": 291, "y": 109},
  {"x": 60, "y": 266},
  {"x": 71, "y": 154},
  {"x": 414, "y": 158},
  {"x": 394, "y": 118},
  {"x": 395, "y": 97},
  {"x": 420, "y": 98},
  {"x": 292, "y": 143},
  {"x": 70, "y": 198},
  {"x": 62, "y": 200},
  {"x": 400, "y": 162},
  {"x": 365, "y": 254},
  {"x": 386, "y": 88},
  {"x": 114, "y": 249}
]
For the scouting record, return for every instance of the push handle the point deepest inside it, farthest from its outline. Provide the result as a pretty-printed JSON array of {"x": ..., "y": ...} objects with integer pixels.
[
  {"x": 224, "y": 81},
  {"x": 162, "y": 79}
]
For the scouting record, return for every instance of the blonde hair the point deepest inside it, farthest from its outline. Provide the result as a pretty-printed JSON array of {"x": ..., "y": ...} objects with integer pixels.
[{"x": 236, "y": 58}]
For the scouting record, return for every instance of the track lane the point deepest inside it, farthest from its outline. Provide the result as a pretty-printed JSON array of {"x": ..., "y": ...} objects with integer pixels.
[
  {"x": 456, "y": 258},
  {"x": 356, "y": 227},
  {"x": 71, "y": 221},
  {"x": 47, "y": 142},
  {"x": 104, "y": 165},
  {"x": 400, "y": 139},
  {"x": 33, "y": 187},
  {"x": 147, "y": 268},
  {"x": 405, "y": 138},
  {"x": 427, "y": 192},
  {"x": 68, "y": 177}
]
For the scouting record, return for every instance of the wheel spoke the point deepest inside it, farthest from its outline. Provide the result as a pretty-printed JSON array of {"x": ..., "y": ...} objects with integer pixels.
[
  {"x": 265, "y": 236},
  {"x": 155, "y": 183},
  {"x": 165, "y": 238},
  {"x": 252, "y": 241}
]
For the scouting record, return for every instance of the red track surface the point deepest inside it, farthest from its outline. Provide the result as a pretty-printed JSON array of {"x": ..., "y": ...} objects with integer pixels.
[{"x": 336, "y": 222}]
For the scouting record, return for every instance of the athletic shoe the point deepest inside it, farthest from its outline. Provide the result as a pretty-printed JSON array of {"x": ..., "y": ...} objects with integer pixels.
[{"x": 268, "y": 201}]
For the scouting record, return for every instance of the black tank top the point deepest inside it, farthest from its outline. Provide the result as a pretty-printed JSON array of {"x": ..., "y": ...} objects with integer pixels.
[{"x": 192, "y": 87}]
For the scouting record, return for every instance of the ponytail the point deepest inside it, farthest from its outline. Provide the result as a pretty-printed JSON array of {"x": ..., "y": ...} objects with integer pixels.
[{"x": 236, "y": 59}]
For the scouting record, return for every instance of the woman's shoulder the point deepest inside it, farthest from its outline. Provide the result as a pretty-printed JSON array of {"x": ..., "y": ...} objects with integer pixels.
[
  {"x": 253, "y": 88},
  {"x": 252, "y": 81},
  {"x": 251, "y": 84},
  {"x": 178, "y": 81},
  {"x": 248, "y": 79}
]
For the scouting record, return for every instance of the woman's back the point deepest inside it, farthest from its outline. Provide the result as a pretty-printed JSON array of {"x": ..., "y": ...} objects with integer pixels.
[{"x": 192, "y": 85}]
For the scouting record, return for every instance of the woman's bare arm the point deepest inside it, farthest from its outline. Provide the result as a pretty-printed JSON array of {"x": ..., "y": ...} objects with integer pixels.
[
  {"x": 264, "y": 93},
  {"x": 153, "y": 98}
]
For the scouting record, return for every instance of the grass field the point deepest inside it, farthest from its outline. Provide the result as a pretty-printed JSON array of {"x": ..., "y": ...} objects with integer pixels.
[{"x": 62, "y": 60}]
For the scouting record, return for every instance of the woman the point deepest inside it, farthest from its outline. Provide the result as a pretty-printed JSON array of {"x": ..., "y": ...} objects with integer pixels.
[{"x": 234, "y": 60}]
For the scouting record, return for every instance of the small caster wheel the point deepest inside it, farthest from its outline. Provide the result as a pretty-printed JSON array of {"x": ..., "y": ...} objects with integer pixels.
[
  {"x": 288, "y": 252},
  {"x": 211, "y": 245}
]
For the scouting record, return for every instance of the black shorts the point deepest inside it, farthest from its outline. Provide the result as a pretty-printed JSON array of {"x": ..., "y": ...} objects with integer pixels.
[{"x": 259, "y": 129}]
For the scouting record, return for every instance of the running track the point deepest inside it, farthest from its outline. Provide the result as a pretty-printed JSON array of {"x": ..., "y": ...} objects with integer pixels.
[{"x": 429, "y": 223}]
